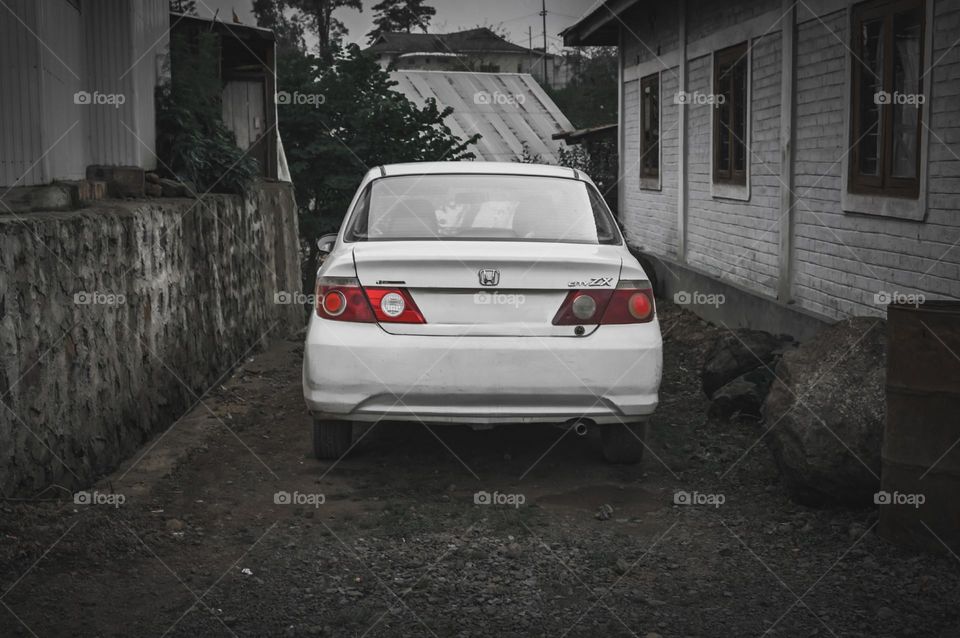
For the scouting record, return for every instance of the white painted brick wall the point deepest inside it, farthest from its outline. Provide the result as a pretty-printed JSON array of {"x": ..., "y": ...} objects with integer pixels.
[
  {"x": 650, "y": 216},
  {"x": 738, "y": 240},
  {"x": 705, "y": 17},
  {"x": 841, "y": 260}
]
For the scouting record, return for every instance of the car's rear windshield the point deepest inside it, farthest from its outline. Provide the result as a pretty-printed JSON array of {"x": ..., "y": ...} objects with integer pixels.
[{"x": 482, "y": 207}]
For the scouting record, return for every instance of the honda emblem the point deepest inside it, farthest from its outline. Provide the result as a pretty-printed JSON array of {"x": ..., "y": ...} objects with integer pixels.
[{"x": 489, "y": 277}]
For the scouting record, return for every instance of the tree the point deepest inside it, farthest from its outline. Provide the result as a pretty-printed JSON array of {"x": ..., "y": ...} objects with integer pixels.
[
  {"x": 359, "y": 122},
  {"x": 280, "y": 17},
  {"x": 393, "y": 16},
  {"x": 330, "y": 31},
  {"x": 184, "y": 6},
  {"x": 590, "y": 99}
]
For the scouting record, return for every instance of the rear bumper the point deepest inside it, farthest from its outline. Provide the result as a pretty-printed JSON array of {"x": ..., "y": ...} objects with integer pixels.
[{"x": 359, "y": 372}]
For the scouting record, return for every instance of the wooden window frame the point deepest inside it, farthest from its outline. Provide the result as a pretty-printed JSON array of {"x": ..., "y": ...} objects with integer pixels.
[
  {"x": 738, "y": 54},
  {"x": 883, "y": 184},
  {"x": 647, "y": 173}
]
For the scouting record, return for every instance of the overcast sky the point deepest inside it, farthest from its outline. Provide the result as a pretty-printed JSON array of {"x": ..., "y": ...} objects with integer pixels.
[{"x": 517, "y": 17}]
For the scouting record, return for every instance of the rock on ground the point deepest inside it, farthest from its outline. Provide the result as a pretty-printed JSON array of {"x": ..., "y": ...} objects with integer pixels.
[
  {"x": 825, "y": 414},
  {"x": 744, "y": 395},
  {"x": 735, "y": 353}
]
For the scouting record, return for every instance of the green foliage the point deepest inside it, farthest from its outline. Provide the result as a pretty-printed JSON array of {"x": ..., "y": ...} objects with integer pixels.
[
  {"x": 598, "y": 159},
  {"x": 590, "y": 99},
  {"x": 529, "y": 157},
  {"x": 193, "y": 143},
  {"x": 286, "y": 24},
  {"x": 354, "y": 122},
  {"x": 400, "y": 15},
  {"x": 318, "y": 17}
]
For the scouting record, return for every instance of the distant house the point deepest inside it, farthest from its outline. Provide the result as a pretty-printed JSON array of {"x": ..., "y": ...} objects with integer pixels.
[
  {"x": 473, "y": 50},
  {"x": 800, "y": 159},
  {"x": 510, "y": 110}
]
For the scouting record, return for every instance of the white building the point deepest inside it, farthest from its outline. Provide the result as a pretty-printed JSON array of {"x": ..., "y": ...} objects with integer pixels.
[{"x": 801, "y": 158}]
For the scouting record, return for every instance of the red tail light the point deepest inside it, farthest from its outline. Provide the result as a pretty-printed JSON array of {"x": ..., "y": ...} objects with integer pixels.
[
  {"x": 342, "y": 299},
  {"x": 630, "y": 302},
  {"x": 394, "y": 305}
]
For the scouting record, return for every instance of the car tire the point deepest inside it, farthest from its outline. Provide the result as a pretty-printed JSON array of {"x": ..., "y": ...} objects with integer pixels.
[
  {"x": 623, "y": 443},
  {"x": 331, "y": 439}
]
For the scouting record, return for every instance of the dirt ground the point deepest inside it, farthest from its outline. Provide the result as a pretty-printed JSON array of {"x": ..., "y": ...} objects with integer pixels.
[{"x": 571, "y": 546}]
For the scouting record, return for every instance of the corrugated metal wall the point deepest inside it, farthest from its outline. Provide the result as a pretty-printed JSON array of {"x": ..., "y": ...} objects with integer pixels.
[
  {"x": 20, "y": 94},
  {"x": 61, "y": 32},
  {"x": 50, "y": 51},
  {"x": 151, "y": 42},
  {"x": 109, "y": 54}
]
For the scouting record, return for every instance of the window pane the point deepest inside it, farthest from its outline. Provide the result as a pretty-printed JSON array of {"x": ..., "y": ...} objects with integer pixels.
[
  {"x": 871, "y": 85},
  {"x": 730, "y": 114},
  {"x": 483, "y": 207},
  {"x": 739, "y": 115},
  {"x": 722, "y": 122},
  {"x": 650, "y": 130},
  {"x": 906, "y": 85}
]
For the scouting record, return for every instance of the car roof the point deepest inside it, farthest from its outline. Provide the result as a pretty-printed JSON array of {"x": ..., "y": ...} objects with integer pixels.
[{"x": 479, "y": 168}]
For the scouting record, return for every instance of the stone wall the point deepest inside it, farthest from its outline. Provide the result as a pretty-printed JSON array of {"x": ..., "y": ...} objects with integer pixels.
[{"x": 115, "y": 319}]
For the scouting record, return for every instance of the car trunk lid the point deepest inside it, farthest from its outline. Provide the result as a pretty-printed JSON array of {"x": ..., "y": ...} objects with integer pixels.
[{"x": 486, "y": 288}]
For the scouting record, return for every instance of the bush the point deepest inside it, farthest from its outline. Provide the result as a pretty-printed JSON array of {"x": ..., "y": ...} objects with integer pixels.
[{"x": 193, "y": 143}]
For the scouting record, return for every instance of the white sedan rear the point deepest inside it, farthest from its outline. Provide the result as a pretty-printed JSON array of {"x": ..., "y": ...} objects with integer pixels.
[{"x": 481, "y": 294}]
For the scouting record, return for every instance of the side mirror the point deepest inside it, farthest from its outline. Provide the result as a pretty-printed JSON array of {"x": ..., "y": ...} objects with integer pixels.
[{"x": 326, "y": 243}]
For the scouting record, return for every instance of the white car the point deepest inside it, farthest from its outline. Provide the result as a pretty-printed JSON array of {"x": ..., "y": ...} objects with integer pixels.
[{"x": 484, "y": 294}]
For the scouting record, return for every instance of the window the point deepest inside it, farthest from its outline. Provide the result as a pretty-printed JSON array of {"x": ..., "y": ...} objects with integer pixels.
[
  {"x": 730, "y": 115},
  {"x": 650, "y": 127},
  {"x": 886, "y": 98},
  {"x": 464, "y": 207}
]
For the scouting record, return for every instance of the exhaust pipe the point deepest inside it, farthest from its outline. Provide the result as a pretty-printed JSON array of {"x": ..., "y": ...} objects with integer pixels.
[{"x": 580, "y": 427}]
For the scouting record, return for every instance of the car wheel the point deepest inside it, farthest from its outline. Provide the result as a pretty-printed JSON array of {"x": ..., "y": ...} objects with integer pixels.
[
  {"x": 331, "y": 439},
  {"x": 623, "y": 443}
]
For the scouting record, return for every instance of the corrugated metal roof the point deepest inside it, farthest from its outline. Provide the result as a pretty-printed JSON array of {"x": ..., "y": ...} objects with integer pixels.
[{"x": 507, "y": 109}]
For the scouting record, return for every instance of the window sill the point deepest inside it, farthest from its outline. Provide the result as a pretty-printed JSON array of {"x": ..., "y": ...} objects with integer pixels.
[
  {"x": 650, "y": 183},
  {"x": 739, "y": 192},
  {"x": 884, "y": 206}
]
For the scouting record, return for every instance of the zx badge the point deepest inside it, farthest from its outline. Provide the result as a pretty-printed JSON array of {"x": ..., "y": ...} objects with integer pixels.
[{"x": 596, "y": 282}]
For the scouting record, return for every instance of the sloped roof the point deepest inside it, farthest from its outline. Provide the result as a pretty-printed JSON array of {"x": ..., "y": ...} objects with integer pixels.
[
  {"x": 599, "y": 26},
  {"x": 480, "y": 40},
  {"x": 507, "y": 109}
]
